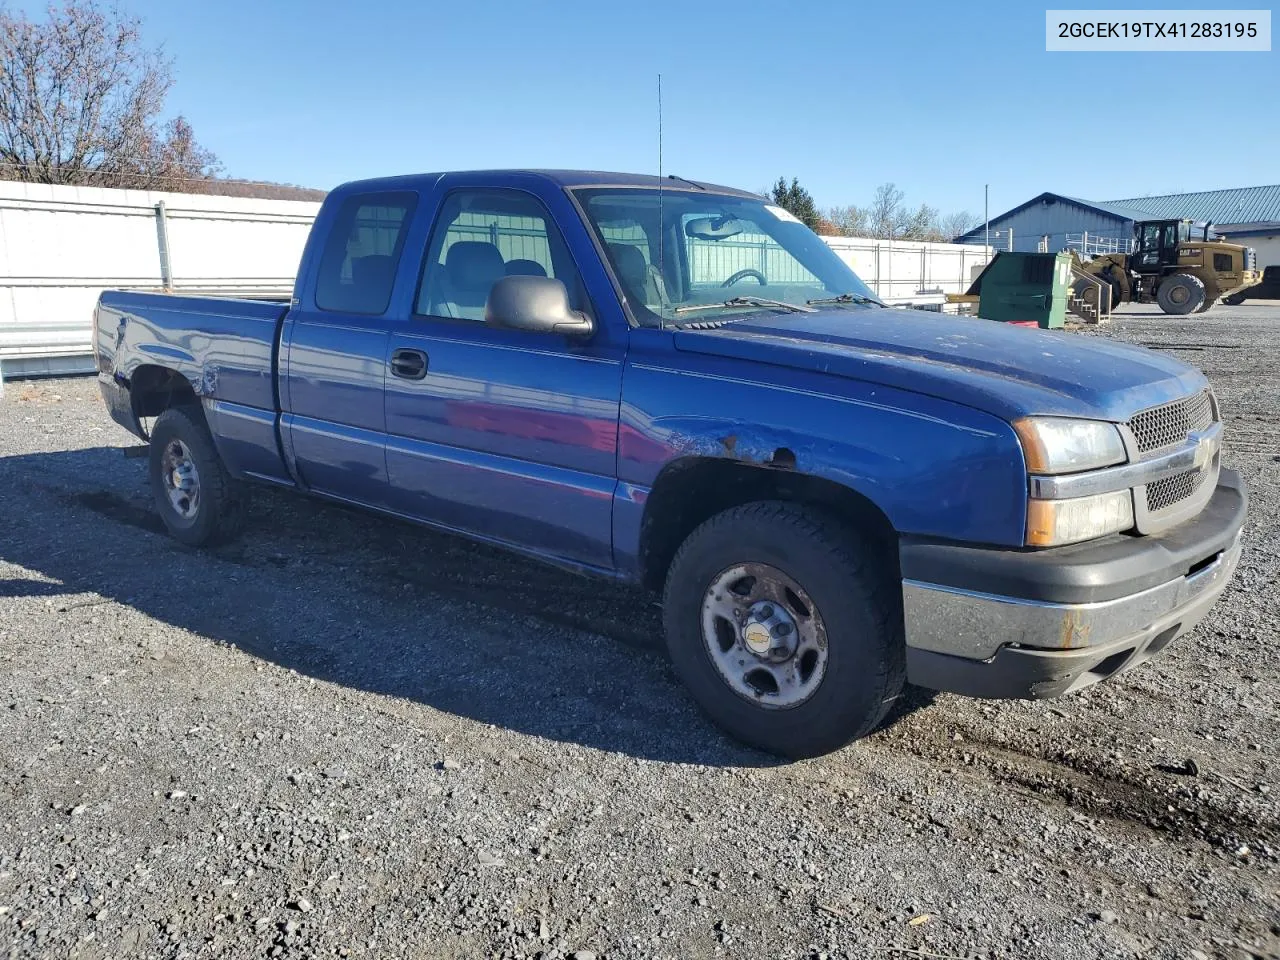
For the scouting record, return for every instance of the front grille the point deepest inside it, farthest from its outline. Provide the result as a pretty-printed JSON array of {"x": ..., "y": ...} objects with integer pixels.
[
  {"x": 1169, "y": 424},
  {"x": 1171, "y": 490}
]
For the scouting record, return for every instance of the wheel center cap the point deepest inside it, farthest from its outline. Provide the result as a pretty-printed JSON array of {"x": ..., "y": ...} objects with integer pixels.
[
  {"x": 769, "y": 632},
  {"x": 757, "y": 638}
]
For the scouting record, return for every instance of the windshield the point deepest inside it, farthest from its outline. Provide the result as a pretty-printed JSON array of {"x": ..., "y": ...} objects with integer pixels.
[{"x": 693, "y": 257}]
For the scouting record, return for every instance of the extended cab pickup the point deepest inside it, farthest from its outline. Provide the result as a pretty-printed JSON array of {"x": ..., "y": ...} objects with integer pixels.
[{"x": 679, "y": 384}]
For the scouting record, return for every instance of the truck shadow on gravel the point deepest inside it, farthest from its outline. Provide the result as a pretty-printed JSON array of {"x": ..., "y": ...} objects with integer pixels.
[{"x": 372, "y": 604}]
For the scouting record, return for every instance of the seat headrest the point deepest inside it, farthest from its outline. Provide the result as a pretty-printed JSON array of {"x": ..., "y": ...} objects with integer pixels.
[
  {"x": 632, "y": 269},
  {"x": 525, "y": 268},
  {"x": 368, "y": 291},
  {"x": 373, "y": 270},
  {"x": 473, "y": 264}
]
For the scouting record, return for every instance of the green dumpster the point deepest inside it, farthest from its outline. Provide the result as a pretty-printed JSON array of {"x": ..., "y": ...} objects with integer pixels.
[{"x": 1025, "y": 287}]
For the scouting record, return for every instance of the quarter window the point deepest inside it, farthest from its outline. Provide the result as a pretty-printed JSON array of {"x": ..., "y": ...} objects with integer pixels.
[{"x": 358, "y": 265}]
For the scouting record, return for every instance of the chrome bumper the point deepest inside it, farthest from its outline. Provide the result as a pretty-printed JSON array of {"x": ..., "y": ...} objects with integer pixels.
[
  {"x": 975, "y": 625},
  {"x": 986, "y": 645}
]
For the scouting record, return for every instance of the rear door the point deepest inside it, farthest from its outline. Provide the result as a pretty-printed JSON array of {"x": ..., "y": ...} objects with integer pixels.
[
  {"x": 335, "y": 352},
  {"x": 509, "y": 435}
]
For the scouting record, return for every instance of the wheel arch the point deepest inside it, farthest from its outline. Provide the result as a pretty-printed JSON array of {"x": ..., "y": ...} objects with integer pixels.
[
  {"x": 154, "y": 388},
  {"x": 692, "y": 489}
]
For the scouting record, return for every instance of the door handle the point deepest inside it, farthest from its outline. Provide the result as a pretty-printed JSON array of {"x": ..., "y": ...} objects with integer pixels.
[{"x": 408, "y": 364}]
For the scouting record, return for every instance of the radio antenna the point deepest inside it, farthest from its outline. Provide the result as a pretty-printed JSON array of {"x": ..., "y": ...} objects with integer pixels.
[{"x": 662, "y": 228}]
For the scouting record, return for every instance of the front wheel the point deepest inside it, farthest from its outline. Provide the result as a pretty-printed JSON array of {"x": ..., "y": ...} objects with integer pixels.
[
  {"x": 785, "y": 628},
  {"x": 197, "y": 499},
  {"x": 1180, "y": 293}
]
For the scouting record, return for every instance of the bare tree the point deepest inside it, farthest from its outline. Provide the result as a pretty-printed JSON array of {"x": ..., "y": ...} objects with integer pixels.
[
  {"x": 848, "y": 221},
  {"x": 886, "y": 211},
  {"x": 954, "y": 224},
  {"x": 80, "y": 102}
]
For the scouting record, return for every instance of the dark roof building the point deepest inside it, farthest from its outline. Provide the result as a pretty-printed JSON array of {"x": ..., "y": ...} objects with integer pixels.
[
  {"x": 1236, "y": 207},
  {"x": 1054, "y": 221}
]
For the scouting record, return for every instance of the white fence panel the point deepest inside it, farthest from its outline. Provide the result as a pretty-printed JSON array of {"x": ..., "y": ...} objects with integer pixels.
[
  {"x": 911, "y": 271},
  {"x": 61, "y": 246}
]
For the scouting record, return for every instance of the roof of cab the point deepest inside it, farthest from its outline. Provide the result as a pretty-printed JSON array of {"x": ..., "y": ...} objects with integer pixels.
[{"x": 561, "y": 178}]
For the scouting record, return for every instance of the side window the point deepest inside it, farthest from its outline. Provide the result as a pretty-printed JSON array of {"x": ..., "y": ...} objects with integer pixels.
[
  {"x": 1222, "y": 263},
  {"x": 482, "y": 236},
  {"x": 359, "y": 260}
]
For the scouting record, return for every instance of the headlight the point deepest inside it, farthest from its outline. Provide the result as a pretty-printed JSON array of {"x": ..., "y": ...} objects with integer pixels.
[
  {"x": 1063, "y": 445},
  {"x": 1051, "y": 523}
]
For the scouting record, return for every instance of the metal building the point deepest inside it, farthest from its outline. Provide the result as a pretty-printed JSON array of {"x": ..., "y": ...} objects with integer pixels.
[
  {"x": 1054, "y": 221},
  {"x": 1248, "y": 215}
]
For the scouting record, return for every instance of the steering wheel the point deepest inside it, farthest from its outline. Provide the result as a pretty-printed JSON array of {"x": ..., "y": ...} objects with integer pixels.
[{"x": 743, "y": 274}]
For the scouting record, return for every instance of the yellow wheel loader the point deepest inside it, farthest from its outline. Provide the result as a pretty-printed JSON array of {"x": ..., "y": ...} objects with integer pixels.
[{"x": 1179, "y": 264}]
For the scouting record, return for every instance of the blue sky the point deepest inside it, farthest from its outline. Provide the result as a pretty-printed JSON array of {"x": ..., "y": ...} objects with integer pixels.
[{"x": 938, "y": 97}]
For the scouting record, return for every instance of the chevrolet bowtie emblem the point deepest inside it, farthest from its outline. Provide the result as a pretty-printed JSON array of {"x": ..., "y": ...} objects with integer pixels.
[{"x": 1204, "y": 452}]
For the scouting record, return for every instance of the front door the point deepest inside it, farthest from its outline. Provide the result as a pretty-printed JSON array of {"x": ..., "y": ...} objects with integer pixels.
[{"x": 509, "y": 435}]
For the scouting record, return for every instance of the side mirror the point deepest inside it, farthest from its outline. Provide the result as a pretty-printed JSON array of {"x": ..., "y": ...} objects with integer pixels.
[{"x": 539, "y": 304}]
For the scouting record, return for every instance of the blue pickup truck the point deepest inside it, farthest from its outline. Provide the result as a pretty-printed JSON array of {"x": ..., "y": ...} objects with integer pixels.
[{"x": 679, "y": 384}]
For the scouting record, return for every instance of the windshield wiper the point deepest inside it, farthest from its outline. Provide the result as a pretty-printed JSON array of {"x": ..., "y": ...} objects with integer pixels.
[
  {"x": 846, "y": 298},
  {"x": 745, "y": 302}
]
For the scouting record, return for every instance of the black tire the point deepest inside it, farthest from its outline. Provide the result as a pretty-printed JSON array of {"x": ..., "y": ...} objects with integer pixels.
[
  {"x": 1117, "y": 289},
  {"x": 859, "y": 604},
  {"x": 1087, "y": 293},
  {"x": 218, "y": 513},
  {"x": 1208, "y": 302},
  {"x": 1180, "y": 294}
]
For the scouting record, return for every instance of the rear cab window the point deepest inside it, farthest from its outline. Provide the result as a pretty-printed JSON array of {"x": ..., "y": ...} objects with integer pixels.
[{"x": 358, "y": 264}]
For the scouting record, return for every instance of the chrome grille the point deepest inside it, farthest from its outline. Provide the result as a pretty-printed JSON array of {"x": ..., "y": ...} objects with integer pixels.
[
  {"x": 1169, "y": 424},
  {"x": 1171, "y": 490}
]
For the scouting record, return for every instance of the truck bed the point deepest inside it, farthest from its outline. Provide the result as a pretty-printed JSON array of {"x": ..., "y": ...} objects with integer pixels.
[{"x": 225, "y": 348}]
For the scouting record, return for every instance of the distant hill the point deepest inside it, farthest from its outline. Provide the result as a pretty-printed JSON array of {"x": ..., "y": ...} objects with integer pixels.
[
  {"x": 208, "y": 185},
  {"x": 253, "y": 188}
]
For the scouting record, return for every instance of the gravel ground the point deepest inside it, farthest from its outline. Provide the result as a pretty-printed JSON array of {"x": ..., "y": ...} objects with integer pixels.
[{"x": 347, "y": 737}]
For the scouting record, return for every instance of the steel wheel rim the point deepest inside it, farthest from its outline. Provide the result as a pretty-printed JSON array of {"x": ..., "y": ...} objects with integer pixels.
[
  {"x": 181, "y": 479},
  {"x": 764, "y": 635},
  {"x": 1179, "y": 294}
]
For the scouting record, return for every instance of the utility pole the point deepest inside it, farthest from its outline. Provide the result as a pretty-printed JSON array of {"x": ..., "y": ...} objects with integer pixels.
[{"x": 986, "y": 210}]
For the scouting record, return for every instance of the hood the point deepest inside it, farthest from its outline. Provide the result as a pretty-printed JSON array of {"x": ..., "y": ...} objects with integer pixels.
[{"x": 1004, "y": 370}]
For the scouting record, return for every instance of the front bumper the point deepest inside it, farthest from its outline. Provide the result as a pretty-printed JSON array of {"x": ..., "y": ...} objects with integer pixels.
[{"x": 1037, "y": 624}]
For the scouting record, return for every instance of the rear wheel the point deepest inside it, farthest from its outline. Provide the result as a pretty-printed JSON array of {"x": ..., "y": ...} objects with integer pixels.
[
  {"x": 785, "y": 628},
  {"x": 1180, "y": 293},
  {"x": 197, "y": 499}
]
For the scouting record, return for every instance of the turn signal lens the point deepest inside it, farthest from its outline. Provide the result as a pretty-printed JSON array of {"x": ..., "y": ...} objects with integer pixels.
[{"x": 1051, "y": 523}]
